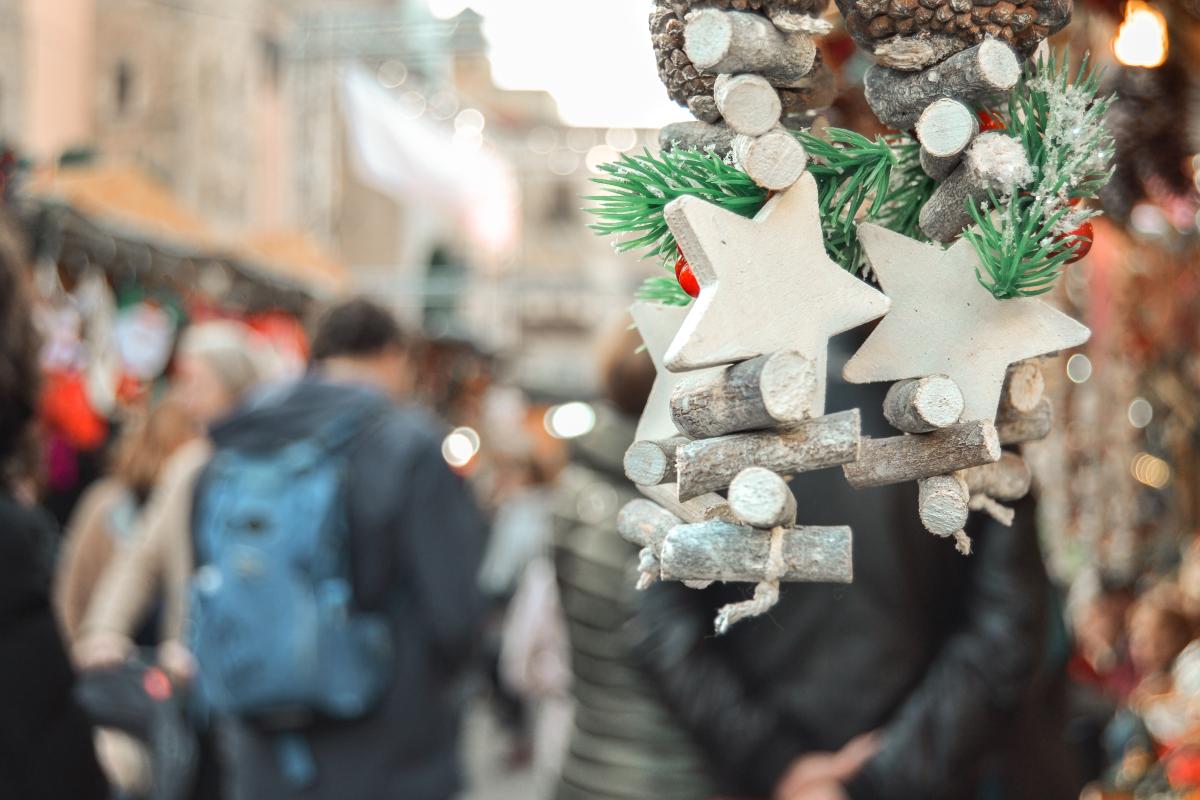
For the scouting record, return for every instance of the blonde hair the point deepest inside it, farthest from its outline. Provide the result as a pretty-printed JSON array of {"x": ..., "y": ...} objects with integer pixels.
[
  {"x": 147, "y": 441},
  {"x": 239, "y": 359}
]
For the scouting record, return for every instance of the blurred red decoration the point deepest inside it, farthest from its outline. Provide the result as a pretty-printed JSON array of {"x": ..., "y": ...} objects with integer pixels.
[
  {"x": 687, "y": 278},
  {"x": 156, "y": 684},
  {"x": 989, "y": 121}
]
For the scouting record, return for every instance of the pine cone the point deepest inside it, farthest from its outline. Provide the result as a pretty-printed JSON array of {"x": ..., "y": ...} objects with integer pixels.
[
  {"x": 953, "y": 25},
  {"x": 685, "y": 84}
]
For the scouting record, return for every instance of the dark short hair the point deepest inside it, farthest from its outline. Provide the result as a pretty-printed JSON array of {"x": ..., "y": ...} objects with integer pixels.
[
  {"x": 355, "y": 327},
  {"x": 19, "y": 373}
]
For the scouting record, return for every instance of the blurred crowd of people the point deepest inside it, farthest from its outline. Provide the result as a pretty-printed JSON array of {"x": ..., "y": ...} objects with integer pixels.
[{"x": 275, "y": 580}]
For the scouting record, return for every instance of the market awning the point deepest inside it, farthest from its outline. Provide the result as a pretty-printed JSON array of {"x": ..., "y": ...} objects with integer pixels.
[{"x": 297, "y": 255}]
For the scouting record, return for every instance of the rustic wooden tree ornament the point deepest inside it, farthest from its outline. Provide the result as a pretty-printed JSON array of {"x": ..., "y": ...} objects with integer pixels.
[
  {"x": 921, "y": 405},
  {"x": 899, "y": 459},
  {"x": 708, "y": 465},
  {"x": 658, "y": 325},
  {"x": 943, "y": 322},
  {"x": 774, "y": 160},
  {"x": 649, "y": 463},
  {"x": 736, "y": 42},
  {"x": 772, "y": 270},
  {"x": 1015, "y": 427},
  {"x": 764, "y": 392},
  {"x": 762, "y": 499},
  {"x": 748, "y": 103},
  {"x": 899, "y": 98}
]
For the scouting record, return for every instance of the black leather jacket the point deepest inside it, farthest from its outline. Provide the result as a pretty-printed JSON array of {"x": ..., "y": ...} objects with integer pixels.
[{"x": 937, "y": 651}]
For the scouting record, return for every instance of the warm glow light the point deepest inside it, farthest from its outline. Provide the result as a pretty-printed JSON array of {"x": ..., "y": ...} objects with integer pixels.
[
  {"x": 460, "y": 447},
  {"x": 570, "y": 421},
  {"x": 1150, "y": 470},
  {"x": 1142, "y": 38}
]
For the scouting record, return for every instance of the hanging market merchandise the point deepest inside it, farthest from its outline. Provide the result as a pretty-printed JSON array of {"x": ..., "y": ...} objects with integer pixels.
[{"x": 764, "y": 230}]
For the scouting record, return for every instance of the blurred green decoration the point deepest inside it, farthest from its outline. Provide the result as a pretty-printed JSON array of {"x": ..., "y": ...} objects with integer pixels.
[
  {"x": 853, "y": 173},
  {"x": 1024, "y": 240}
]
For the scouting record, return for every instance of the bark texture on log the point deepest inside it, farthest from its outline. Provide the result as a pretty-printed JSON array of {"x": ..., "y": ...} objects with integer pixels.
[
  {"x": 774, "y": 160},
  {"x": 719, "y": 551},
  {"x": 937, "y": 167},
  {"x": 708, "y": 465},
  {"x": 748, "y": 103},
  {"x": 994, "y": 162},
  {"x": 913, "y": 53},
  {"x": 908, "y": 458},
  {"x": 1024, "y": 386},
  {"x": 1016, "y": 428},
  {"x": 696, "y": 509},
  {"x": 651, "y": 463},
  {"x": 942, "y": 504},
  {"x": 764, "y": 392},
  {"x": 921, "y": 405},
  {"x": 898, "y": 98},
  {"x": 735, "y": 42},
  {"x": 762, "y": 499},
  {"x": 645, "y": 524},
  {"x": 696, "y": 135},
  {"x": 1008, "y": 479}
]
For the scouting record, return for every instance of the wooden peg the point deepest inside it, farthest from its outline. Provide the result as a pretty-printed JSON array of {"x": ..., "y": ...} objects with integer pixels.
[
  {"x": 748, "y": 103},
  {"x": 943, "y": 504},
  {"x": 1024, "y": 386},
  {"x": 650, "y": 463},
  {"x": 645, "y": 524},
  {"x": 696, "y": 509},
  {"x": 736, "y": 42},
  {"x": 882, "y": 462},
  {"x": 708, "y": 465},
  {"x": 720, "y": 551},
  {"x": 1008, "y": 479},
  {"x": 774, "y": 160},
  {"x": 945, "y": 129},
  {"x": 762, "y": 499},
  {"x": 898, "y": 98},
  {"x": 1015, "y": 427},
  {"x": 764, "y": 392},
  {"x": 995, "y": 162},
  {"x": 925, "y": 404},
  {"x": 696, "y": 135}
]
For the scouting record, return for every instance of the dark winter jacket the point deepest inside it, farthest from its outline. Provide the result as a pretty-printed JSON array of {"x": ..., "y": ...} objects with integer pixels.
[
  {"x": 936, "y": 650},
  {"x": 415, "y": 542},
  {"x": 45, "y": 739}
]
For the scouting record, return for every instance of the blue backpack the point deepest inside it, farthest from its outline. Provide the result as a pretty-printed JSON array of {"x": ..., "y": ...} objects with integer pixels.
[{"x": 273, "y": 625}]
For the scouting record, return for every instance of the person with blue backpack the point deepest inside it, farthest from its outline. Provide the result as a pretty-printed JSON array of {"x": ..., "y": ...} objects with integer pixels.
[{"x": 333, "y": 604}]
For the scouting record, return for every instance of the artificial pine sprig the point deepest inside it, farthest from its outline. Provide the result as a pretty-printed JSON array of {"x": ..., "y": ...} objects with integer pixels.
[
  {"x": 853, "y": 173},
  {"x": 1025, "y": 245}
]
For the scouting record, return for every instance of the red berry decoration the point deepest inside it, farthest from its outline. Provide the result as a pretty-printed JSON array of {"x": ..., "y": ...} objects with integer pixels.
[
  {"x": 687, "y": 278},
  {"x": 1084, "y": 235},
  {"x": 989, "y": 121}
]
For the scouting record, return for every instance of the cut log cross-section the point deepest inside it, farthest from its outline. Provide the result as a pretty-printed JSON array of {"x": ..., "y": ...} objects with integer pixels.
[
  {"x": 764, "y": 392},
  {"x": 898, "y": 98},
  {"x": 707, "y": 465},
  {"x": 720, "y": 551},
  {"x": 922, "y": 405},
  {"x": 774, "y": 160},
  {"x": 945, "y": 130},
  {"x": 762, "y": 499},
  {"x": 1024, "y": 386},
  {"x": 899, "y": 459},
  {"x": 733, "y": 42},
  {"x": 650, "y": 463},
  {"x": 748, "y": 103},
  {"x": 942, "y": 504}
]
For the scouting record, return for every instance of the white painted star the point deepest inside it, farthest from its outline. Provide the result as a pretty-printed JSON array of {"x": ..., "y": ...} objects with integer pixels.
[
  {"x": 658, "y": 325},
  {"x": 944, "y": 322},
  {"x": 766, "y": 284}
]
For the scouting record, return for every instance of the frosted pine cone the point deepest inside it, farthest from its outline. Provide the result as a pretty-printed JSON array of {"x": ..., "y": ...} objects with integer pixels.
[
  {"x": 953, "y": 25},
  {"x": 684, "y": 82}
]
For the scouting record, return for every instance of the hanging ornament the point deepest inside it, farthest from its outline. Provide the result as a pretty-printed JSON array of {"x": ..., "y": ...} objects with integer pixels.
[
  {"x": 687, "y": 278},
  {"x": 1081, "y": 244},
  {"x": 989, "y": 121}
]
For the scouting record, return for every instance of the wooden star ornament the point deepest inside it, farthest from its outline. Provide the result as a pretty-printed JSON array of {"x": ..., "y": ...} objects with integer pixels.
[
  {"x": 766, "y": 284},
  {"x": 658, "y": 325},
  {"x": 943, "y": 321}
]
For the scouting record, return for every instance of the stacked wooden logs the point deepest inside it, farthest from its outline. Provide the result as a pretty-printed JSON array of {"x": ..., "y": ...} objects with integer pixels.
[
  {"x": 939, "y": 103},
  {"x": 753, "y": 57},
  {"x": 959, "y": 466},
  {"x": 740, "y": 429}
]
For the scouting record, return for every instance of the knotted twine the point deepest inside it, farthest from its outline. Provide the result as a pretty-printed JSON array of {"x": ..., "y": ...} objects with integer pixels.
[{"x": 766, "y": 592}]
